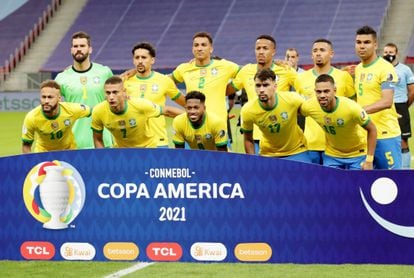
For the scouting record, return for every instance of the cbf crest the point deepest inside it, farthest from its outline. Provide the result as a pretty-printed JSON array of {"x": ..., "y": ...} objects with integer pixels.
[
  {"x": 273, "y": 119},
  {"x": 83, "y": 80},
  {"x": 54, "y": 125}
]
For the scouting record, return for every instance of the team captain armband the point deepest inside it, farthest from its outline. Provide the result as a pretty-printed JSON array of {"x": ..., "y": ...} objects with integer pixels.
[{"x": 387, "y": 85}]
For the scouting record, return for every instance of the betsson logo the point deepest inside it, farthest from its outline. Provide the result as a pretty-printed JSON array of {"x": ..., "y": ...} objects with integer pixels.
[
  {"x": 164, "y": 251},
  {"x": 125, "y": 251},
  {"x": 37, "y": 250},
  {"x": 253, "y": 252}
]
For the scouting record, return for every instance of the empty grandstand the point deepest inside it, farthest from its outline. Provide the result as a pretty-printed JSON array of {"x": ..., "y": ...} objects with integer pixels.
[{"x": 116, "y": 26}]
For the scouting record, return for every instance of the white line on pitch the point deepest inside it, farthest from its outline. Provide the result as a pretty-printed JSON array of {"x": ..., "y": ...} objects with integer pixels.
[{"x": 129, "y": 270}]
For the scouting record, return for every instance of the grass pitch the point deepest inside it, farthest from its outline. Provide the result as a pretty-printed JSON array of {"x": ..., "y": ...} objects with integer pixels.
[{"x": 167, "y": 270}]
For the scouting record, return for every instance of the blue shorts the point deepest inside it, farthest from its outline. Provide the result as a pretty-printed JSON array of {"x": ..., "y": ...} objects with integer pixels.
[
  {"x": 388, "y": 153},
  {"x": 301, "y": 157},
  {"x": 316, "y": 157},
  {"x": 256, "y": 147},
  {"x": 349, "y": 163}
]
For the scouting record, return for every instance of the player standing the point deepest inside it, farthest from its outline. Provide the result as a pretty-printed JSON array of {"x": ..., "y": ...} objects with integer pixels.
[{"x": 83, "y": 83}]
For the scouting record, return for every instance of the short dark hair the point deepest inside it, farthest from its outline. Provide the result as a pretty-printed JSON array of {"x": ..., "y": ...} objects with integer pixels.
[
  {"x": 292, "y": 49},
  {"x": 265, "y": 74},
  {"x": 267, "y": 37},
  {"x": 204, "y": 35},
  {"x": 367, "y": 30},
  {"x": 82, "y": 35},
  {"x": 325, "y": 78},
  {"x": 145, "y": 45},
  {"x": 196, "y": 95},
  {"x": 50, "y": 84},
  {"x": 391, "y": 44},
  {"x": 114, "y": 80},
  {"x": 323, "y": 40}
]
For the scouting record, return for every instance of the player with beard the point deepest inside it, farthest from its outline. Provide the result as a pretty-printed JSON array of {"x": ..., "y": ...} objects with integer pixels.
[
  {"x": 343, "y": 121},
  {"x": 201, "y": 130},
  {"x": 275, "y": 113},
  {"x": 265, "y": 50},
  {"x": 83, "y": 82},
  {"x": 151, "y": 85},
  {"x": 322, "y": 54},
  {"x": 49, "y": 125}
]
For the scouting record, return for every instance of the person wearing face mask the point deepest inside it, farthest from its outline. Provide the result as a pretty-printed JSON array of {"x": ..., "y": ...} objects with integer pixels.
[{"x": 403, "y": 98}]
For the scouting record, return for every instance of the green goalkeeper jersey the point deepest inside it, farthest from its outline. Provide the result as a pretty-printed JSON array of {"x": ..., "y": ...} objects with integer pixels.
[{"x": 85, "y": 87}]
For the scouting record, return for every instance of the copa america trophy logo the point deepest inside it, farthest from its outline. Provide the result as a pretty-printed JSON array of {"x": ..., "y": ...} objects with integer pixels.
[{"x": 54, "y": 193}]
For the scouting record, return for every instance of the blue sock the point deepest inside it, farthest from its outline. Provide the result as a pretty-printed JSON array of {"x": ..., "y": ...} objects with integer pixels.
[{"x": 406, "y": 160}]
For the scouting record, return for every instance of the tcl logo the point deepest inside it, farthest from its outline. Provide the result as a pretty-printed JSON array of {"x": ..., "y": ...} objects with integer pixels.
[
  {"x": 37, "y": 250},
  {"x": 164, "y": 251}
]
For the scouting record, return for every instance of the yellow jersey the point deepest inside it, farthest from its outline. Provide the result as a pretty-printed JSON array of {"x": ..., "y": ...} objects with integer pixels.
[
  {"x": 211, "y": 80},
  {"x": 281, "y": 134},
  {"x": 342, "y": 127},
  {"x": 305, "y": 86},
  {"x": 51, "y": 134},
  {"x": 210, "y": 135},
  {"x": 285, "y": 77},
  {"x": 156, "y": 88},
  {"x": 369, "y": 81},
  {"x": 129, "y": 128}
]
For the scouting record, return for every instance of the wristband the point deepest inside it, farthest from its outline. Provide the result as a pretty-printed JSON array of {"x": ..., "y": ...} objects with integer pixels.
[{"x": 369, "y": 158}]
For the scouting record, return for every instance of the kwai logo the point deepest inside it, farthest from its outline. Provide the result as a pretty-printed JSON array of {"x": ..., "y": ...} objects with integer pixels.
[
  {"x": 384, "y": 191},
  {"x": 54, "y": 193}
]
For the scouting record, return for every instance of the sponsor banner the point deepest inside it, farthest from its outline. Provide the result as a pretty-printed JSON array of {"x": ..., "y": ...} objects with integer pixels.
[
  {"x": 37, "y": 250},
  {"x": 183, "y": 205},
  {"x": 79, "y": 251},
  {"x": 125, "y": 251},
  {"x": 18, "y": 101},
  {"x": 253, "y": 252},
  {"x": 164, "y": 251},
  {"x": 208, "y": 251}
]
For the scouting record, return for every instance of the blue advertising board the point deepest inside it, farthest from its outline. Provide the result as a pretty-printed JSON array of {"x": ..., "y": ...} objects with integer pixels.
[{"x": 186, "y": 205}]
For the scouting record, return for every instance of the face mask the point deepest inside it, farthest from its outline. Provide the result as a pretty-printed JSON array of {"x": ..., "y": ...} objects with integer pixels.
[{"x": 389, "y": 58}]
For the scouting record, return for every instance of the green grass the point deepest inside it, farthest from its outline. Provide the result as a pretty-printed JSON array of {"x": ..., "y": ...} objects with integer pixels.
[
  {"x": 11, "y": 133},
  {"x": 160, "y": 270},
  {"x": 11, "y": 123}
]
